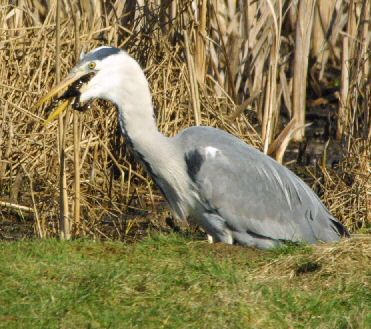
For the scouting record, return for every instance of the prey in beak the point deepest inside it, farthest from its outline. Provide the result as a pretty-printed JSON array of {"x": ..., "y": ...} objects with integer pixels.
[{"x": 75, "y": 83}]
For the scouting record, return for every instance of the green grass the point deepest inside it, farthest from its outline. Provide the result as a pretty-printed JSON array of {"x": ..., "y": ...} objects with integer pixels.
[{"x": 174, "y": 282}]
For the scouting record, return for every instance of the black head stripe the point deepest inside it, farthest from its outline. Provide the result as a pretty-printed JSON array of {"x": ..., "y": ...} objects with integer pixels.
[{"x": 100, "y": 54}]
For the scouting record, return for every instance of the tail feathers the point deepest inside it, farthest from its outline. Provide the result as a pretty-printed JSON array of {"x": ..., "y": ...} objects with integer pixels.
[{"x": 339, "y": 228}]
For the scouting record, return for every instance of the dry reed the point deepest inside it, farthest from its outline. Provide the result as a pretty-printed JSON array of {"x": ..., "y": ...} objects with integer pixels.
[{"x": 228, "y": 64}]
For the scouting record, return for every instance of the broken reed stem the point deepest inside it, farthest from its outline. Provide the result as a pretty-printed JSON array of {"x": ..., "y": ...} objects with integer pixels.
[
  {"x": 76, "y": 165},
  {"x": 16, "y": 206},
  {"x": 63, "y": 196},
  {"x": 350, "y": 118},
  {"x": 271, "y": 108},
  {"x": 200, "y": 54},
  {"x": 230, "y": 82},
  {"x": 348, "y": 50},
  {"x": 267, "y": 113},
  {"x": 192, "y": 82},
  {"x": 302, "y": 42},
  {"x": 278, "y": 147},
  {"x": 76, "y": 141},
  {"x": 365, "y": 51},
  {"x": 344, "y": 85},
  {"x": 39, "y": 228}
]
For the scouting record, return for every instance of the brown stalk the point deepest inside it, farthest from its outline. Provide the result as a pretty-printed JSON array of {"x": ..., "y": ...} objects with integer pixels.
[
  {"x": 16, "y": 206},
  {"x": 270, "y": 112},
  {"x": 63, "y": 196},
  {"x": 365, "y": 37},
  {"x": 267, "y": 112},
  {"x": 278, "y": 147},
  {"x": 302, "y": 42},
  {"x": 76, "y": 137},
  {"x": 193, "y": 82},
  {"x": 225, "y": 51},
  {"x": 200, "y": 53},
  {"x": 39, "y": 227},
  {"x": 324, "y": 9},
  {"x": 344, "y": 85}
]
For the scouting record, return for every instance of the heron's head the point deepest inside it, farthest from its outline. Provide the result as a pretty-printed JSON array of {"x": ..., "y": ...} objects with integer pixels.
[{"x": 107, "y": 73}]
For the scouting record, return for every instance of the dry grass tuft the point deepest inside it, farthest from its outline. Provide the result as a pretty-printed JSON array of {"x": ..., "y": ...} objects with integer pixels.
[{"x": 346, "y": 258}]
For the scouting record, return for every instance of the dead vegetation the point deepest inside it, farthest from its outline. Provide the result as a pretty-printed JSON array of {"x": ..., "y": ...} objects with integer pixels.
[
  {"x": 322, "y": 263},
  {"x": 249, "y": 67}
]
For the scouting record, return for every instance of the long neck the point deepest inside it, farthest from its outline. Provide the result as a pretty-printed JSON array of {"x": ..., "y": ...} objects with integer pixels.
[
  {"x": 158, "y": 153},
  {"x": 138, "y": 124}
]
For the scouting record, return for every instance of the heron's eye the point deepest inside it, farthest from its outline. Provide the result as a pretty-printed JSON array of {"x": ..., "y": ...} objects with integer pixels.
[{"x": 91, "y": 65}]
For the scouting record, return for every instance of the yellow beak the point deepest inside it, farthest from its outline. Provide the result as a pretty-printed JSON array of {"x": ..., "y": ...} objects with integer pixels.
[
  {"x": 71, "y": 78},
  {"x": 59, "y": 110}
]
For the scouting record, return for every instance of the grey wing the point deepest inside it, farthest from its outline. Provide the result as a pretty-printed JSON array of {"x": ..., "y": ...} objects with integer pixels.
[{"x": 252, "y": 192}]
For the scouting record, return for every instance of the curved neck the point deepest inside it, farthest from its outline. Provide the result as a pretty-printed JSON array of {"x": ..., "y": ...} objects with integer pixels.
[
  {"x": 138, "y": 124},
  {"x": 159, "y": 155}
]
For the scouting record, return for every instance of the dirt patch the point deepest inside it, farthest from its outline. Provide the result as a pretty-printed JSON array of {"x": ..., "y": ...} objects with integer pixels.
[{"x": 16, "y": 228}]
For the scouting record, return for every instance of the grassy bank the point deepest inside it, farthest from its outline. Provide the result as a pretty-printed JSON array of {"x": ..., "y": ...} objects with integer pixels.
[{"x": 173, "y": 282}]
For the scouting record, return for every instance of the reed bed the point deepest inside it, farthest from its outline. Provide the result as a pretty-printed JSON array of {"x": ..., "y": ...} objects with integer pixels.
[{"x": 248, "y": 67}]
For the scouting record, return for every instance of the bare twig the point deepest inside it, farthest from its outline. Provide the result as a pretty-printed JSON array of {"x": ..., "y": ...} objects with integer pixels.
[{"x": 16, "y": 206}]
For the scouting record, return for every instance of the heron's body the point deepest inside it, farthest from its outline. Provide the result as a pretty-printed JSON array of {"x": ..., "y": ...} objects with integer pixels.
[{"x": 233, "y": 191}]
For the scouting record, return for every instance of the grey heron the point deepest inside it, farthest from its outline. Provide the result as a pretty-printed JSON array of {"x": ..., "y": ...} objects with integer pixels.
[{"x": 233, "y": 191}]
